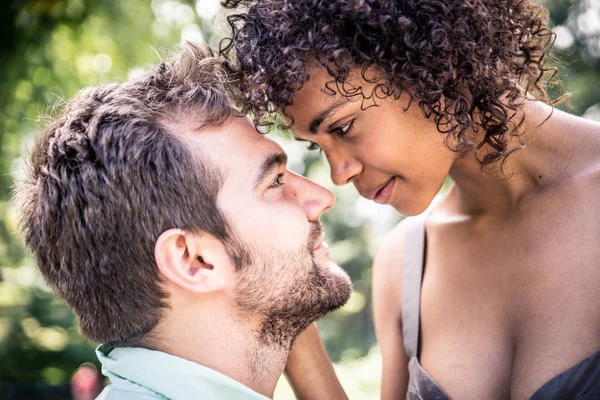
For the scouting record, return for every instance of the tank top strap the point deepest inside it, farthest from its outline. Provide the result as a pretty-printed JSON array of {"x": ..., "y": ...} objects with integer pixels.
[{"x": 412, "y": 277}]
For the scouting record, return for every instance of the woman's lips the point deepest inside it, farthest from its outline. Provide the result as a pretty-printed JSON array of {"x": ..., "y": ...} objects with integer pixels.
[
  {"x": 384, "y": 194},
  {"x": 373, "y": 193}
]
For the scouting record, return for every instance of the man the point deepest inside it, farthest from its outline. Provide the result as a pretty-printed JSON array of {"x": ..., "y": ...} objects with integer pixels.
[{"x": 177, "y": 235}]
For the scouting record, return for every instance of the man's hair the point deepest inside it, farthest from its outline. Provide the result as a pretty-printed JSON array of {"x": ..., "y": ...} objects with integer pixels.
[
  {"x": 108, "y": 176},
  {"x": 465, "y": 63}
]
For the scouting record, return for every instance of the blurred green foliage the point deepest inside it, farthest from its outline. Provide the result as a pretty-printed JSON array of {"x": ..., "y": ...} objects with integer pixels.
[{"x": 53, "y": 48}]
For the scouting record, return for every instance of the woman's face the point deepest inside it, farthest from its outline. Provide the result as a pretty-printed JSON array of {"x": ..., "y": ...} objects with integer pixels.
[{"x": 392, "y": 156}]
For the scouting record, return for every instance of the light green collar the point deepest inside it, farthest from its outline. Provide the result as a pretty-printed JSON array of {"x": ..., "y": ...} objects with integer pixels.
[{"x": 170, "y": 376}]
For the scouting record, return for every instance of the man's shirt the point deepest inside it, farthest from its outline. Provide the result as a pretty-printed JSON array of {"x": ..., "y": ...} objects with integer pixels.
[{"x": 141, "y": 374}]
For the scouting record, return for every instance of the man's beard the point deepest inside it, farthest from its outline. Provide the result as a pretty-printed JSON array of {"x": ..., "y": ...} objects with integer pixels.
[{"x": 288, "y": 291}]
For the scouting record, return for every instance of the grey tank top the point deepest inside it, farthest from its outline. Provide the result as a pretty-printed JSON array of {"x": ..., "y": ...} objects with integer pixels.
[{"x": 580, "y": 382}]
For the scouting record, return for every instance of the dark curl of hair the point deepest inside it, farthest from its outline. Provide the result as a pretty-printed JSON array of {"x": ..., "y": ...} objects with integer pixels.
[{"x": 468, "y": 64}]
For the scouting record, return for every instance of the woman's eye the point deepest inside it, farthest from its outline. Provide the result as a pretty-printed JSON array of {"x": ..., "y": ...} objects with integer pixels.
[
  {"x": 344, "y": 129},
  {"x": 278, "y": 182}
]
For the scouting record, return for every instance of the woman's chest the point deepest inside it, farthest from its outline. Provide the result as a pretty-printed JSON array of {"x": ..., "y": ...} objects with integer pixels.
[{"x": 504, "y": 310}]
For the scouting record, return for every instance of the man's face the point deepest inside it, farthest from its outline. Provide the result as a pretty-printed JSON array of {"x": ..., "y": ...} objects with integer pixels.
[{"x": 291, "y": 280}]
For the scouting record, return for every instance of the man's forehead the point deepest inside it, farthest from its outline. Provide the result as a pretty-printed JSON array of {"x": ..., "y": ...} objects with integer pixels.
[{"x": 236, "y": 148}]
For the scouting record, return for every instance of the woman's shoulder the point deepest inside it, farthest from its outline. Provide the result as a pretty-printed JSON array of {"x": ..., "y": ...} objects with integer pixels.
[
  {"x": 390, "y": 256},
  {"x": 387, "y": 269},
  {"x": 391, "y": 248}
]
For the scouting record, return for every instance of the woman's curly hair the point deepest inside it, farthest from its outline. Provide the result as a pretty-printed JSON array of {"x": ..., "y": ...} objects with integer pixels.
[{"x": 468, "y": 64}]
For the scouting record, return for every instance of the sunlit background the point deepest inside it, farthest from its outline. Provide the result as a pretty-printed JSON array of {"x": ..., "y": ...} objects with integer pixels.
[{"x": 50, "y": 49}]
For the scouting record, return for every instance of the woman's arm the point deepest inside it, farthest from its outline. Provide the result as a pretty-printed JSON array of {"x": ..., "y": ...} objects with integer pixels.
[{"x": 309, "y": 369}]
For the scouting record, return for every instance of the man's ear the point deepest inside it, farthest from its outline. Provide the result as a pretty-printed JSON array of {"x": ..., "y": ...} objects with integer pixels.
[{"x": 192, "y": 261}]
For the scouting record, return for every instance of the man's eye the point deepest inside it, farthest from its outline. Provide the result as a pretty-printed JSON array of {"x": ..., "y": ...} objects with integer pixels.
[
  {"x": 314, "y": 146},
  {"x": 278, "y": 182}
]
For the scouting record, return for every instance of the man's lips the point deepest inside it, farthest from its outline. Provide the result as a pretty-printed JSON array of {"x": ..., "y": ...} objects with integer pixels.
[{"x": 319, "y": 242}]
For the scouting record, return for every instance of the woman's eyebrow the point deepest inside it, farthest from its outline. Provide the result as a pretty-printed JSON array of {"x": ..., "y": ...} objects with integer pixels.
[{"x": 324, "y": 114}]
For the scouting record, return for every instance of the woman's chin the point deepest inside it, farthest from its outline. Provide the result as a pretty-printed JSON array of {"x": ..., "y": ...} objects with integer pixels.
[{"x": 410, "y": 207}]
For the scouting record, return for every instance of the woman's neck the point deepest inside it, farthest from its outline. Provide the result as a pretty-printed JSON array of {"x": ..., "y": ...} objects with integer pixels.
[{"x": 557, "y": 146}]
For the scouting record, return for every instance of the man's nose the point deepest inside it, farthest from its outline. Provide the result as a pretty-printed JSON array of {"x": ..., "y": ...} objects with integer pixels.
[{"x": 314, "y": 198}]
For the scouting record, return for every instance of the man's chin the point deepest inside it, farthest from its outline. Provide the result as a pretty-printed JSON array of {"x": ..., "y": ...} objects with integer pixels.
[
  {"x": 329, "y": 267},
  {"x": 325, "y": 289},
  {"x": 341, "y": 285},
  {"x": 336, "y": 286}
]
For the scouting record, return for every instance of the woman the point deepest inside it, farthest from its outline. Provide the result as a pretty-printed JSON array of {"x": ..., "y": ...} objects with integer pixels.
[{"x": 492, "y": 292}]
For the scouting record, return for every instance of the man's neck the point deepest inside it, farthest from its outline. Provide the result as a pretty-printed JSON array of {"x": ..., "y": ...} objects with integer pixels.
[{"x": 220, "y": 342}]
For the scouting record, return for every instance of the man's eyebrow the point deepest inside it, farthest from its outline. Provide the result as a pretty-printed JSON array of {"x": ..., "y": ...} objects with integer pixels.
[
  {"x": 269, "y": 164},
  {"x": 323, "y": 115}
]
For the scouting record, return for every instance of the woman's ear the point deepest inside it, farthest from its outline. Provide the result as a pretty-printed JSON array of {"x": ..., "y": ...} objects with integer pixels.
[{"x": 193, "y": 262}]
